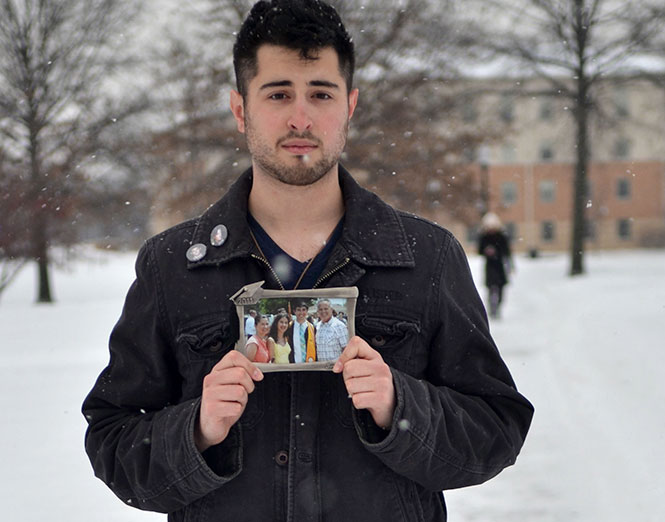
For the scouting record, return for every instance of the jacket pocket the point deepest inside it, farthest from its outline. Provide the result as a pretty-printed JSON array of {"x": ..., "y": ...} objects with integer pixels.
[
  {"x": 394, "y": 338},
  {"x": 205, "y": 339},
  {"x": 199, "y": 345}
]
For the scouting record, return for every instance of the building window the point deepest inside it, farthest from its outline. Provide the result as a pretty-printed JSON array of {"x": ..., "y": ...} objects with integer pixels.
[
  {"x": 623, "y": 188},
  {"x": 507, "y": 109},
  {"x": 508, "y": 193},
  {"x": 624, "y": 229},
  {"x": 508, "y": 153},
  {"x": 546, "y": 152},
  {"x": 546, "y": 110},
  {"x": 621, "y": 103},
  {"x": 622, "y": 148},
  {"x": 547, "y": 191},
  {"x": 547, "y": 232}
]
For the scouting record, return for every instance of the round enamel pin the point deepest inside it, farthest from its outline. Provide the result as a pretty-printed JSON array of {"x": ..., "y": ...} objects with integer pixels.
[
  {"x": 218, "y": 235},
  {"x": 196, "y": 252}
]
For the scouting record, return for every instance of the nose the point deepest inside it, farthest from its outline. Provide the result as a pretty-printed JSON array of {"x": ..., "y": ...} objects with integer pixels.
[{"x": 300, "y": 119}]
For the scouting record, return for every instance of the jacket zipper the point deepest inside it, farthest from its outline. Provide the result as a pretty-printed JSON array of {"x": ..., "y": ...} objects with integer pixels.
[
  {"x": 327, "y": 275},
  {"x": 272, "y": 270}
]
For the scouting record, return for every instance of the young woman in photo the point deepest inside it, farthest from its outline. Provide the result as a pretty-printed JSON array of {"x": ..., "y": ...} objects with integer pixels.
[{"x": 278, "y": 341}]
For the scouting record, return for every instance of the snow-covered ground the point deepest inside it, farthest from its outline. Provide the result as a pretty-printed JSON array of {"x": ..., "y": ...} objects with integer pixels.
[{"x": 589, "y": 352}]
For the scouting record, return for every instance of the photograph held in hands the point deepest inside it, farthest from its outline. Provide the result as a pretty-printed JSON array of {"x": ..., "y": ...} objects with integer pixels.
[{"x": 294, "y": 330}]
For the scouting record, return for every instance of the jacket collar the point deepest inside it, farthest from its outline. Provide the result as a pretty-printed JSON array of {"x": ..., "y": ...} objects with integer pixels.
[{"x": 373, "y": 232}]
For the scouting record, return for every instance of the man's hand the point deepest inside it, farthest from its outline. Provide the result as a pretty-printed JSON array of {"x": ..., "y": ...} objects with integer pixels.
[
  {"x": 225, "y": 392},
  {"x": 368, "y": 380}
]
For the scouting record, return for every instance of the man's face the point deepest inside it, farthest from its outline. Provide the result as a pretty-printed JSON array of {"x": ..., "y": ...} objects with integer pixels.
[
  {"x": 324, "y": 310},
  {"x": 295, "y": 114},
  {"x": 301, "y": 313}
]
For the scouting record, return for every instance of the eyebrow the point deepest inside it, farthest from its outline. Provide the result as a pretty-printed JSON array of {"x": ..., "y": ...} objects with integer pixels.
[{"x": 289, "y": 83}]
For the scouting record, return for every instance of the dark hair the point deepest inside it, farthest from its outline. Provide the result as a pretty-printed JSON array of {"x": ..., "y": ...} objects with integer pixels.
[
  {"x": 301, "y": 25},
  {"x": 273, "y": 326}
]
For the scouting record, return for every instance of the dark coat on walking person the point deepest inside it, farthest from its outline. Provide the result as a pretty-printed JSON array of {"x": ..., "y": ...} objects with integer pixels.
[{"x": 494, "y": 246}]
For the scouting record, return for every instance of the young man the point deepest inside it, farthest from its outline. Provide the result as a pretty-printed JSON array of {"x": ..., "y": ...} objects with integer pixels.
[
  {"x": 302, "y": 336},
  {"x": 420, "y": 401}
]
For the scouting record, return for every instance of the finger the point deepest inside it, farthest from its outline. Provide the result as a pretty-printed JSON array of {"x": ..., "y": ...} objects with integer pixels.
[
  {"x": 357, "y": 348},
  {"x": 356, "y": 368},
  {"x": 363, "y": 400},
  {"x": 236, "y": 359},
  {"x": 372, "y": 382},
  {"x": 379, "y": 400},
  {"x": 228, "y": 393},
  {"x": 215, "y": 412},
  {"x": 229, "y": 376},
  {"x": 359, "y": 385}
]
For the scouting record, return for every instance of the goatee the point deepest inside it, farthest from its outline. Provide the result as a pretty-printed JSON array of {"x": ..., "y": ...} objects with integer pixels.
[{"x": 305, "y": 171}]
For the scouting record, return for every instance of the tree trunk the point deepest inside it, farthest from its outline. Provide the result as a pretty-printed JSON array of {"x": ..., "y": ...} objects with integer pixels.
[
  {"x": 38, "y": 231},
  {"x": 42, "y": 259},
  {"x": 580, "y": 190},
  {"x": 582, "y": 108}
]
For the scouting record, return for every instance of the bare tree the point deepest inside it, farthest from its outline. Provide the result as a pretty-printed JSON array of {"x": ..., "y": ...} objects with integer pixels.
[
  {"x": 54, "y": 60},
  {"x": 576, "y": 46},
  {"x": 407, "y": 131}
]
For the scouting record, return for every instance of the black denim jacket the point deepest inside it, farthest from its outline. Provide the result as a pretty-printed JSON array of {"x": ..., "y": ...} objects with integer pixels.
[{"x": 301, "y": 451}]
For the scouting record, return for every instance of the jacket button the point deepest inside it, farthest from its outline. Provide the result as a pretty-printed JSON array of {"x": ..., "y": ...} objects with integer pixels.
[{"x": 282, "y": 458}]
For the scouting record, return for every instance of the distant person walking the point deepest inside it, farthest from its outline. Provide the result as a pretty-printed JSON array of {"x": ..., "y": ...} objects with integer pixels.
[{"x": 494, "y": 246}]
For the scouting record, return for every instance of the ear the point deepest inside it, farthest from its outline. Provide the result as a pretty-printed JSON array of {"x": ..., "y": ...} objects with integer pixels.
[
  {"x": 353, "y": 101},
  {"x": 237, "y": 104}
]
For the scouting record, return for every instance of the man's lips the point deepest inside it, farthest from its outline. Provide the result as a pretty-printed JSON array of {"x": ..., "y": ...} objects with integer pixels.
[{"x": 299, "y": 147}]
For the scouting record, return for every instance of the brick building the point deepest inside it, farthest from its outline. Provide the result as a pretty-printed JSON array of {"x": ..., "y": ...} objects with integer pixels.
[
  {"x": 528, "y": 175},
  {"x": 625, "y": 208}
]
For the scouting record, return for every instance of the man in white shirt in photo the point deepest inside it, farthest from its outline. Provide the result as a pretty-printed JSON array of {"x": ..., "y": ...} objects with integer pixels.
[
  {"x": 250, "y": 324},
  {"x": 332, "y": 334}
]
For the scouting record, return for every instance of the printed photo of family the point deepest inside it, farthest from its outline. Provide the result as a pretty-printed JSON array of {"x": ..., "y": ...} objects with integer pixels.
[{"x": 302, "y": 331}]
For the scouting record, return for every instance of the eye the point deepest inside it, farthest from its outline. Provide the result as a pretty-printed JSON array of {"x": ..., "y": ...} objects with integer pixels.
[
  {"x": 277, "y": 96},
  {"x": 323, "y": 96}
]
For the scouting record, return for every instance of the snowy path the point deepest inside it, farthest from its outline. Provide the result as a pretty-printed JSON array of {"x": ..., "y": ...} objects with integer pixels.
[{"x": 588, "y": 352}]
